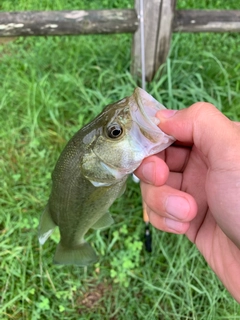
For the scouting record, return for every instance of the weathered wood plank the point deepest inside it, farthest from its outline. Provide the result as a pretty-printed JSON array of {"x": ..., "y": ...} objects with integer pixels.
[
  {"x": 158, "y": 17},
  {"x": 28, "y": 23},
  {"x": 206, "y": 21},
  {"x": 36, "y": 23},
  {"x": 167, "y": 12}
]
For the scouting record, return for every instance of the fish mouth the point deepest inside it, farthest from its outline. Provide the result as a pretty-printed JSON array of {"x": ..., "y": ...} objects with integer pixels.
[
  {"x": 146, "y": 133},
  {"x": 148, "y": 108}
]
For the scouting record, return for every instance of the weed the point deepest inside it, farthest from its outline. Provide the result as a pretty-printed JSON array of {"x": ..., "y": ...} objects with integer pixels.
[
  {"x": 127, "y": 259},
  {"x": 50, "y": 87}
]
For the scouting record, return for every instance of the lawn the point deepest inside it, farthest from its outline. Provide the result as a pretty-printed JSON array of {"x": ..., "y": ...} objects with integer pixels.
[{"x": 49, "y": 88}]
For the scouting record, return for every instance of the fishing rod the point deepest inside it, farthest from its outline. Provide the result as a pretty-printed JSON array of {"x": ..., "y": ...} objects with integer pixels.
[{"x": 147, "y": 234}]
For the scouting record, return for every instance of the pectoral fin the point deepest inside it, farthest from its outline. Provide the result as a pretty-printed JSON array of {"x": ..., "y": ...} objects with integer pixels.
[
  {"x": 123, "y": 189},
  {"x": 103, "y": 222},
  {"x": 82, "y": 255},
  {"x": 46, "y": 226}
]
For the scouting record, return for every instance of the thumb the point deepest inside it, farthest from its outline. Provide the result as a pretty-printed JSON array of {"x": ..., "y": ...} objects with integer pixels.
[
  {"x": 217, "y": 138},
  {"x": 206, "y": 127}
]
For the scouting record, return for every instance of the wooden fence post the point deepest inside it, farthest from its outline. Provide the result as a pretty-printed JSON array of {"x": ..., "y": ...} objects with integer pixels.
[{"x": 158, "y": 20}]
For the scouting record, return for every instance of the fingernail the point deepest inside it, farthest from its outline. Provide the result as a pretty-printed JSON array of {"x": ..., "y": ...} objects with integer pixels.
[
  {"x": 177, "y": 207},
  {"x": 174, "y": 225},
  {"x": 148, "y": 171},
  {"x": 165, "y": 113}
]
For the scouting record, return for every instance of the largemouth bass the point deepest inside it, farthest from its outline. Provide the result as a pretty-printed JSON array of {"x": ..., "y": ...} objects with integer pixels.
[{"x": 91, "y": 173}]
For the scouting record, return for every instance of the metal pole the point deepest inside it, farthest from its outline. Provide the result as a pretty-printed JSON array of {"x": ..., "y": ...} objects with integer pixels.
[{"x": 141, "y": 16}]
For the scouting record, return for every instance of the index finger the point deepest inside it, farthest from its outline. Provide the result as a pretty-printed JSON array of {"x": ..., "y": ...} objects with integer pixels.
[
  {"x": 155, "y": 169},
  {"x": 176, "y": 157}
]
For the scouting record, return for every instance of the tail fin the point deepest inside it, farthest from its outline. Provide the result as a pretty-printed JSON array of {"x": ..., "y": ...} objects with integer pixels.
[
  {"x": 81, "y": 255},
  {"x": 46, "y": 226}
]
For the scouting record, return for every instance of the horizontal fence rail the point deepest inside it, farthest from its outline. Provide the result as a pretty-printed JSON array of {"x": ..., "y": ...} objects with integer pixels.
[
  {"x": 77, "y": 22},
  {"x": 206, "y": 21},
  {"x": 39, "y": 23}
]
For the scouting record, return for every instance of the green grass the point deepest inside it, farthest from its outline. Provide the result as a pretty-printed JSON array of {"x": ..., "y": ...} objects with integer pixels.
[{"x": 49, "y": 88}]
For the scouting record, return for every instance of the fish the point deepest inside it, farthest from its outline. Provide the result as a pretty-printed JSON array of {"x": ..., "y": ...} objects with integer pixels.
[{"x": 92, "y": 170}]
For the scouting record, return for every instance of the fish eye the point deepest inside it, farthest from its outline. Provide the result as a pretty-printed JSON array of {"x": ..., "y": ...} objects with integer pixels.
[{"x": 114, "y": 131}]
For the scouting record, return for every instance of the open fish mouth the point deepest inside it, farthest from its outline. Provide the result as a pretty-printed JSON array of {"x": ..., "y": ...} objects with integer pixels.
[
  {"x": 148, "y": 108},
  {"x": 145, "y": 131}
]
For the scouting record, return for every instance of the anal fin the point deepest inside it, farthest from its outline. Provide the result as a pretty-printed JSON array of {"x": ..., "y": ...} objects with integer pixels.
[
  {"x": 105, "y": 221},
  {"x": 46, "y": 226},
  {"x": 81, "y": 255}
]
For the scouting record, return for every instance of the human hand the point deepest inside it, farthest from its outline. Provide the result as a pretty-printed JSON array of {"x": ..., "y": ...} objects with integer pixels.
[{"x": 193, "y": 187}]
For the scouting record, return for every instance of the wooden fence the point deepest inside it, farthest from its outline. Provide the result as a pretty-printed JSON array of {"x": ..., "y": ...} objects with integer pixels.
[{"x": 160, "y": 20}]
